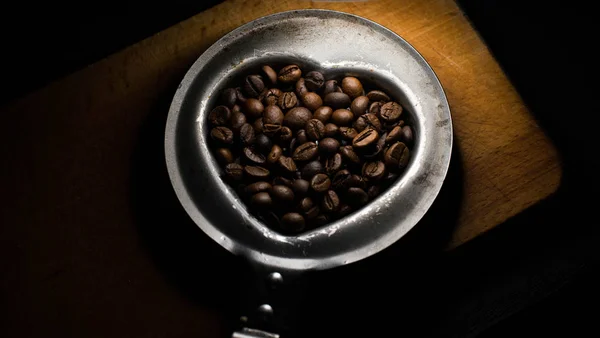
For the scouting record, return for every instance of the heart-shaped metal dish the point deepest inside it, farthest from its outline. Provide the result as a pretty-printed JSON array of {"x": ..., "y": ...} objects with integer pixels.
[{"x": 336, "y": 44}]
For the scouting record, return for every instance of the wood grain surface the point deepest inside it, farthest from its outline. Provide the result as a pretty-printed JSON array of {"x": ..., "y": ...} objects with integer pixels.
[{"x": 69, "y": 158}]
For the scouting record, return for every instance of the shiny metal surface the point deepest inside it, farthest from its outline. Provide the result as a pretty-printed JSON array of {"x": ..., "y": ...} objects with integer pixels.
[{"x": 336, "y": 44}]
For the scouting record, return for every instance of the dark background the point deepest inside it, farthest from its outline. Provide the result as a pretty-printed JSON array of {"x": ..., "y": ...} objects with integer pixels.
[{"x": 536, "y": 274}]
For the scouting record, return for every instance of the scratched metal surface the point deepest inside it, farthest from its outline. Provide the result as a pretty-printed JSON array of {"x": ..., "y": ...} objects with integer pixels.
[{"x": 337, "y": 44}]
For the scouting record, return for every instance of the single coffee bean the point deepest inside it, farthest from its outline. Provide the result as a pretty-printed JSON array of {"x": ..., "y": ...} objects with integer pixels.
[
  {"x": 390, "y": 112},
  {"x": 331, "y": 130},
  {"x": 297, "y": 117},
  {"x": 373, "y": 170},
  {"x": 378, "y": 95},
  {"x": 274, "y": 154},
  {"x": 348, "y": 133},
  {"x": 224, "y": 156},
  {"x": 314, "y": 80},
  {"x": 357, "y": 181},
  {"x": 407, "y": 135},
  {"x": 394, "y": 135},
  {"x": 241, "y": 98},
  {"x": 253, "y": 85},
  {"x": 365, "y": 138},
  {"x": 271, "y": 129},
  {"x": 375, "y": 108},
  {"x": 312, "y": 101},
  {"x": 285, "y": 135},
  {"x": 256, "y": 173},
  {"x": 280, "y": 180},
  {"x": 301, "y": 87},
  {"x": 247, "y": 135},
  {"x": 257, "y": 187},
  {"x": 352, "y": 86},
  {"x": 306, "y": 204},
  {"x": 306, "y": 151},
  {"x": 357, "y": 197},
  {"x": 311, "y": 169},
  {"x": 359, "y": 105},
  {"x": 222, "y": 134},
  {"x": 375, "y": 150},
  {"x": 315, "y": 129},
  {"x": 258, "y": 126},
  {"x": 272, "y": 115},
  {"x": 238, "y": 119},
  {"x": 323, "y": 113},
  {"x": 288, "y": 100},
  {"x": 342, "y": 117},
  {"x": 219, "y": 116},
  {"x": 254, "y": 155},
  {"x": 329, "y": 145},
  {"x": 345, "y": 210},
  {"x": 337, "y": 100},
  {"x": 301, "y": 137},
  {"x": 330, "y": 202},
  {"x": 333, "y": 164},
  {"x": 282, "y": 194},
  {"x": 272, "y": 96},
  {"x": 229, "y": 97},
  {"x": 254, "y": 108},
  {"x": 341, "y": 180},
  {"x": 269, "y": 74},
  {"x": 349, "y": 154},
  {"x": 261, "y": 200},
  {"x": 289, "y": 74},
  {"x": 320, "y": 183},
  {"x": 373, "y": 191},
  {"x": 397, "y": 156},
  {"x": 292, "y": 222},
  {"x": 331, "y": 86},
  {"x": 371, "y": 121},
  {"x": 287, "y": 164},
  {"x": 320, "y": 220},
  {"x": 264, "y": 143},
  {"x": 234, "y": 171},
  {"x": 312, "y": 213},
  {"x": 300, "y": 187}
]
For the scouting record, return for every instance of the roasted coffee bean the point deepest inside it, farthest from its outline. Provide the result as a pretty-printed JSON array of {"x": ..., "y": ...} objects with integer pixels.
[
  {"x": 345, "y": 210},
  {"x": 352, "y": 86},
  {"x": 258, "y": 126},
  {"x": 359, "y": 105},
  {"x": 229, "y": 97},
  {"x": 292, "y": 222},
  {"x": 378, "y": 95},
  {"x": 311, "y": 169},
  {"x": 397, "y": 156},
  {"x": 394, "y": 135},
  {"x": 280, "y": 180},
  {"x": 314, "y": 80},
  {"x": 219, "y": 116},
  {"x": 330, "y": 202},
  {"x": 274, "y": 154},
  {"x": 289, "y": 74},
  {"x": 237, "y": 121},
  {"x": 253, "y": 85},
  {"x": 247, "y": 135},
  {"x": 341, "y": 180},
  {"x": 272, "y": 96},
  {"x": 329, "y": 145},
  {"x": 333, "y": 164},
  {"x": 254, "y": 108},
  {"x": 331, "y": 130},
  {"x": 337, "y": 100},
  {"x": 306, "y": 152},
  {"x": 263, "y": 143},
  {"x": 269, "y": 74},
  {"x": 312, "y": 213},
  {"x": 315, "y": 129},
  {"x": 348, "y": 133},
  {"x": 224, "y": 156},
  {"x": 222, "y": 135},
  {"x": 323, "y": 113},
  {"x": 320, "y": 183},
  {"x": 375, "y": 107},
  {"x": 261, "y": 200},
  {"x": 349, "y": 154},
  {"x": 282, "y": 194},
  {"x": 367, "y": 121},
  {"x": 288, "y": 100},
  {"x": 297, "y": 117},
  {"x": 285, "y": 135},
  {"x": 357, "y": 181},
  {"x": 287, "y": 164},
  {"x": 256, "y": 173},
  {"x": 407, "y": 135},
  {"x": 301, "y": 87},
  {"x": 234, "y": 171},
  {"x": 300, "y": 187},
  {"x": 342, "y": 117},
  {"x": 301, "y": 137},
  {"x": 390, "y": 112},
  {"x": 388, "y": 126},
  {"x": 357, "y": 197},
  {"x": 241, "y": 98},
  {"x": 254, "y": 155},
  {"x": 375, "y": 150},
  {"x": 373, "y": 191},
  {"x": 271, "y": 129},
  {"x": 257, "y": 187},
  {"x": 272, "y": 115},
  {"x": 312, "y": 101},
  {"x": 365, "y": 138},
  {"x": 373, "y": 170},
  {"x": 331, "y": 86},
  {"x": 236, "y": 108},
  {"x": 306, "y": 204}
]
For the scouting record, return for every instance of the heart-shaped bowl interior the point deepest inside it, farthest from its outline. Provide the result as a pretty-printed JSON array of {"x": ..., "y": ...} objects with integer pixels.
[{"x": 337, "y": 44}]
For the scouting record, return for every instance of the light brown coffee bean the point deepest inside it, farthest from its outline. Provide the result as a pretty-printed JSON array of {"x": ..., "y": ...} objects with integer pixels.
[
  {"x": 315, "y": 129},
  {"x": 365, "y": 138},
  {"x": 306, "y": 151},
  {"x": 390, "y": 112},
  {"x": 320, "y": 183},
  {"x": 289, "y": 74}
]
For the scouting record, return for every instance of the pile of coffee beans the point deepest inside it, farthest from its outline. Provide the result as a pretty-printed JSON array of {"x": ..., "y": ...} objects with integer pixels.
[{"x": 303, "y": 151}]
